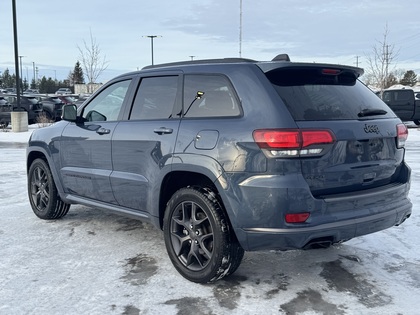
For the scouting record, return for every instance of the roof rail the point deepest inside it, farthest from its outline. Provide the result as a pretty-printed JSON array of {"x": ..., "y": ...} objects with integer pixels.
[{"x": 203, "y": 61}]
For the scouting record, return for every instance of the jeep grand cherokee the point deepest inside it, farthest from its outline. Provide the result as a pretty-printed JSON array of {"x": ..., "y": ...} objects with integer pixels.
[{"x": 229, "y": 155}]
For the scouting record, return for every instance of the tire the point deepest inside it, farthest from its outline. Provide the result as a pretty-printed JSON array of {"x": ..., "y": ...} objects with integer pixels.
[
  {"x": 417, "y": 122},
  {"x": 43, "y": 195},
  {"x": 48, "y": 115},
  {"x": 198, "y": 238},
  {"x": 4, "y": 124}
]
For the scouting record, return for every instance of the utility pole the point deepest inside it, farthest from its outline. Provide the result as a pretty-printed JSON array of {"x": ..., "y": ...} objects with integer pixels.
[
  {"x": 33, "y": 66},
  {"x": 357, "y": 61},
  {"x": 386, "y": 63}
]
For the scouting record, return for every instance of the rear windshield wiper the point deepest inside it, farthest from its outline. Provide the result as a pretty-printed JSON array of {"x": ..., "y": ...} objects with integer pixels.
[{"x": 371, "y": 112}]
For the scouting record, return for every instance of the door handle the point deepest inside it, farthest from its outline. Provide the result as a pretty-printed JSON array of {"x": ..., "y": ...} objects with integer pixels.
[
  {"x": 163, "y": 130},
  {"x": 103, "y": 131}
]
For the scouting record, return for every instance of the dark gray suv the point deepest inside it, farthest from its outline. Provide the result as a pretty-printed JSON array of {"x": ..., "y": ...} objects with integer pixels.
[{"x": 229, "y": 155}]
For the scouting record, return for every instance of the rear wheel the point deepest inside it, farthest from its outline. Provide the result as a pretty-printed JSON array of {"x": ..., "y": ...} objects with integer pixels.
[
  {"x": 43, "y": 195},
  {"x": 198, "y": 238}
]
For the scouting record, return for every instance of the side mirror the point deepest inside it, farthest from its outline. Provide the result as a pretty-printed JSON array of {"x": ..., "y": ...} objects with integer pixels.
[{"x": 70, "y": 112}]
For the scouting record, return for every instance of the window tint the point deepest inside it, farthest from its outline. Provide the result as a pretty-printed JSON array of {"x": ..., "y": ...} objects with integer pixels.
[
  {"x": 311, "y": 95},
  {"x": 155, "y": 98},
  {"x": 209, "y": 96},
  {"x": 106, "y": 106}
]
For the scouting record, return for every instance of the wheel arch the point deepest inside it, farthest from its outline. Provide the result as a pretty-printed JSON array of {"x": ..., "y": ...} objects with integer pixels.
[
  {"x": 41, "y": 153},
  {"x": 49, "y": 111},
  {"x": 188, "y": 176}
]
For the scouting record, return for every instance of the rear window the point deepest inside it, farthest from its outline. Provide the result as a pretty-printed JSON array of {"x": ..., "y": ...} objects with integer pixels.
[{"x": 325, "y": 94}]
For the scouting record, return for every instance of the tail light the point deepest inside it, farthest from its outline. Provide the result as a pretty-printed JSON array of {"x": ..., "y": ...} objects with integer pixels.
[
  {"x": 293, "y": 142},
  {"x": 402, "y": 135}
]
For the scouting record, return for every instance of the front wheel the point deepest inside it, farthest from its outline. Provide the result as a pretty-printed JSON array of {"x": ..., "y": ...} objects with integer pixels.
[
  {"x": 417, "y": 122},
  {"x": 198, "y": 238},
  {"x": 43, "y": 195}
]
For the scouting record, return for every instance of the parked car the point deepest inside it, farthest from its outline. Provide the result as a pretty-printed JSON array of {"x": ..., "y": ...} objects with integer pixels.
[
  {"x": 229, "y": 155},
  {"x": 10, "y": 90},
  {"x": 81, "y": 99},
  {"x": 28, "y": 103},
  {"x": 405, "y": 103},
  {"x": 66, "y": 99},
  {"x": 5, "y": 109},
  {"x": 31, "y": 91},
  {"x": 3, "y": 100},
  {"x": 63, "y": 91},
  {"x": 52, "y": 106}
]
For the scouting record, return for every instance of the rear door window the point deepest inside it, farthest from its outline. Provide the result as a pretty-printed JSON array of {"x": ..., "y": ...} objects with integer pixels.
[
  {"x": 155, "y": 98},
  {"x": 325, "y": 94}
]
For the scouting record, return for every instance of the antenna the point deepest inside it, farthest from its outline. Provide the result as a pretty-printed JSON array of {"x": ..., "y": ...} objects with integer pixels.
[{"x": 240, "y": 28}]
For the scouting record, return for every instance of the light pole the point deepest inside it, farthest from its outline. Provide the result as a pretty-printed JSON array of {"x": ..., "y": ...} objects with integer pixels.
[
  {"x": 21, "y": 76},
  {"x": 152, "y": 37},
  {"x": 15, "y": 39}
]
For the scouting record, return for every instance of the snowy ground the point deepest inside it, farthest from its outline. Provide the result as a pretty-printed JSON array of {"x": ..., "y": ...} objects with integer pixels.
[{"x": 91, "y": 262}]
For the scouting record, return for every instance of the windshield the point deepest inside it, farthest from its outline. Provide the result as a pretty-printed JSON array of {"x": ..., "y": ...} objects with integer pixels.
[{"x": 326, "y": 94}]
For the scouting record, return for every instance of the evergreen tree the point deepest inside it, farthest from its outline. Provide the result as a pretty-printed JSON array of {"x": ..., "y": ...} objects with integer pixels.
[
  {"x": 48, "y": 85},
  {"x": 7, "y": 79},
  {"x": 78, "y": 77},
  {"x": 410, "y": 78},
  {"x": 25, "y": 85},
  {"x": 33, "y": 84}
]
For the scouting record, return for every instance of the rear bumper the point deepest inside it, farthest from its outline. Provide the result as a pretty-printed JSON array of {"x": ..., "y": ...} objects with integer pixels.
[
  {"x": 260, "y": 225},
  {"x": 306, "y": 237}
]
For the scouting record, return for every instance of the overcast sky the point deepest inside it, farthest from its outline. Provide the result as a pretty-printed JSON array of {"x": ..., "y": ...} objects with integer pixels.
[{"x": 344, "y": 32}]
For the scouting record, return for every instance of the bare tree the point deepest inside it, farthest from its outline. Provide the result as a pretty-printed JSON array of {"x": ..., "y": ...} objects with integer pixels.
[
  {"x": 93, "y": 63},
  {"x": 379, "y": 65}
]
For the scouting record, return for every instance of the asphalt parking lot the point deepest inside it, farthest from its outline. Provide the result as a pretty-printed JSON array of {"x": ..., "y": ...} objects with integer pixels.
[{"x": 93, "y": 262}]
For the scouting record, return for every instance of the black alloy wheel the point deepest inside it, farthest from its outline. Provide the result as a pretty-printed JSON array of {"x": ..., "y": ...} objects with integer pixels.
[
  {"x": 198, "y": 238},
  {"x": 43, "y": 195}
]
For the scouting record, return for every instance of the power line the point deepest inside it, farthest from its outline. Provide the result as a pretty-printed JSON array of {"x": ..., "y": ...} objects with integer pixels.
[{"x": 408, "y": 38}]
